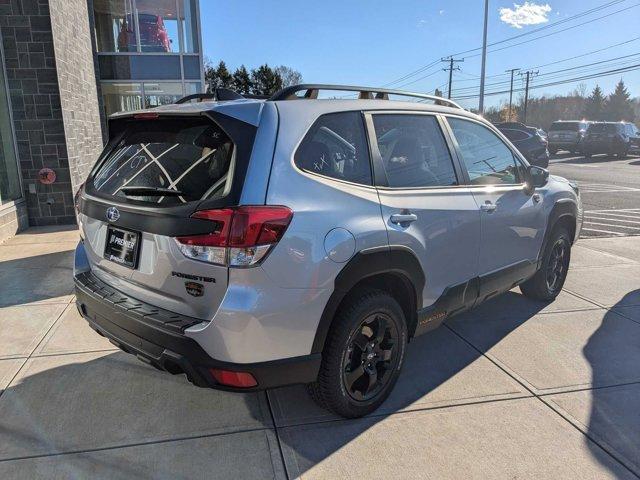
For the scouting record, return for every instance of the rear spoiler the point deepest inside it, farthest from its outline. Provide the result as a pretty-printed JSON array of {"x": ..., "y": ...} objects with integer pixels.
[{"x": 219, "y": 94}]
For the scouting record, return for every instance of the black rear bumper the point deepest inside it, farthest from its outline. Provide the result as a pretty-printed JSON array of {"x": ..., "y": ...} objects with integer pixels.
[{"x": 157, "y": 337}]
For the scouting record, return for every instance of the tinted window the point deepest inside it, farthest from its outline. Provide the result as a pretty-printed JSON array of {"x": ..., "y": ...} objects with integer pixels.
[
  {"x": 191, "y": 156},
  {"x": 566, "y": 126},
  {"x": 488, "y": 160},
  {"x": 515, "y": 135},
  {"x": 602, "y": 128},
  {"x": 336, "y": 147},
  {"x": 413, "y": 150}
]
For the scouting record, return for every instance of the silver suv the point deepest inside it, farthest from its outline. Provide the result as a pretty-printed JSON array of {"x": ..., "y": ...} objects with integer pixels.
[{"x": 250, "y": 244}]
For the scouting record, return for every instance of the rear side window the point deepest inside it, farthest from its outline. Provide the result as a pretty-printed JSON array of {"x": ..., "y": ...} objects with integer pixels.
[
  {"x": 168, "y": 162},
  {"x": 602, "y": 128},
  {"x": 515, "y": 135},
  {"x": 414, "y": 152},
  {"x": 336, "y": 147},
  {"x": 566, "y": 126},
  {"x": 487, "y": 158}
]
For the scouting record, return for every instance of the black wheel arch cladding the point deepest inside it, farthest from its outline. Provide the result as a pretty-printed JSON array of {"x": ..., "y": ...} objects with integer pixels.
[{"x": 395, "y": 260}]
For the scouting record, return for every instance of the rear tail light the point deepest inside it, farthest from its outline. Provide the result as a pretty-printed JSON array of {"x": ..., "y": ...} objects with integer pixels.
[{"x": 240, "y": 236}]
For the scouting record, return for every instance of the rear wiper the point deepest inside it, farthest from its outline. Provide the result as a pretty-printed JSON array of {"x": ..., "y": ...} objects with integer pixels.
[{"x": 150, "y": 192}]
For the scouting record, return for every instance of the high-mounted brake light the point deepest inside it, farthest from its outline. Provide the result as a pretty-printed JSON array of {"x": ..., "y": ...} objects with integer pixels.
[{"x": 240, "y": 236}]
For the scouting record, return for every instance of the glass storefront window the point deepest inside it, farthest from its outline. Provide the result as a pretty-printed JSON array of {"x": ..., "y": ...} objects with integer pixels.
[
  {"x": 9, "y": 176},
  {"x": 191, "y": 88},
  {"x": 118, "y": 97},
  {"x": 114, "y": 24},
  {"x": 188, "y": 18},
  {"x": 162, "y": 93},
  {"x": 158, "y": 25}
]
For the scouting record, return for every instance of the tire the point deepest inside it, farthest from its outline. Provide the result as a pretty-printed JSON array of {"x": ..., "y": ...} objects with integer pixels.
[
  {"x": 369, "y": 328},
  {"x": 546, "y": 284}
]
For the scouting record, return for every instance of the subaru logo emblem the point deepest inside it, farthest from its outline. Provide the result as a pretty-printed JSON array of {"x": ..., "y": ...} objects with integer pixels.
[{"x": 113, "y": 214}]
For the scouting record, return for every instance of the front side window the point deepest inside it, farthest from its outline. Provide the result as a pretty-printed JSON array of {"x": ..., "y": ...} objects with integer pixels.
[
  {"x": 487, "y": 159},
  {"x": 413, "y": 150},
  {"x": 336, "y": 147},
  {"x": 168, "y": 162}
]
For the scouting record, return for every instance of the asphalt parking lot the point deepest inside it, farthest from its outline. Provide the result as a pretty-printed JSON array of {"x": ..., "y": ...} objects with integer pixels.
[
  {"x": 514, "y": 389},
  {"x": 610, "y": 192}
]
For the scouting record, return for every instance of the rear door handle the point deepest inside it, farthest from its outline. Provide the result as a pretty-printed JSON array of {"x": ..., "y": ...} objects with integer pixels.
[
  {"x": 488, "y": 207},
  {"x": 403, "y": 219}
]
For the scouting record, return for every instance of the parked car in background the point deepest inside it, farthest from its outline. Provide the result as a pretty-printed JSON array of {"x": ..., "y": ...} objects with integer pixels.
[
  {"x": 567, "y": 135},
  {"x": 612, "y": 138},
  {"x": 634, "y": 138},
  {"x": 531, "y": 141}
]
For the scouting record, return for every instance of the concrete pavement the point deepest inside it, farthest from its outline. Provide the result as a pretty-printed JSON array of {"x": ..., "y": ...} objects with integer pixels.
[{"x": 514, "y": 389}]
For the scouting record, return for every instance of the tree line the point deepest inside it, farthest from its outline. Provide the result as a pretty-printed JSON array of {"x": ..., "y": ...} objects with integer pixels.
[
  {"x": 264, "y": 80},
  {"x": 543, "y": 111}
]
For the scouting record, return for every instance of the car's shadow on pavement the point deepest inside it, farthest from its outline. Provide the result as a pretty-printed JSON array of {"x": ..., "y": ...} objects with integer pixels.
[{"x": 613, "y": 420}]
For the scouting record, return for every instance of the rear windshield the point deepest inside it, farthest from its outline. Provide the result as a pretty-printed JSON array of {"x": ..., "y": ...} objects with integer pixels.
[
  {"x": 191, "y": 158},
  {"x": 566, "y": 126},
  {"x": 602, "y": 128}
]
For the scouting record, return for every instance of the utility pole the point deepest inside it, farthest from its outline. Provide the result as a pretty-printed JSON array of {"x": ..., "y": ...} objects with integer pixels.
[
  {"x": 529, "y": 74},
  {"x": 450, "y": 69},
  {"x": 484, "y": 57},
  {"x": 512, "y": 71}
]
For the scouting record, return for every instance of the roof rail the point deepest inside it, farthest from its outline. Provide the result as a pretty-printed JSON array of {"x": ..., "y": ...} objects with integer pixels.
[
  {"x": 218, "y": 94},
  {"x": 364, "y": 93}
]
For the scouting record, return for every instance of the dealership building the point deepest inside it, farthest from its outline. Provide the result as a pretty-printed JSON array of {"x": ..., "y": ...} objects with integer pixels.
[{"x": 65, "y": 65}]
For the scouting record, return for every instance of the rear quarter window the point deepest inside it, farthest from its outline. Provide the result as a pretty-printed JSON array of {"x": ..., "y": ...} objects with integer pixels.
[
  {"x": 336, "y": 147},
  {"x": 190, "y": 157}
]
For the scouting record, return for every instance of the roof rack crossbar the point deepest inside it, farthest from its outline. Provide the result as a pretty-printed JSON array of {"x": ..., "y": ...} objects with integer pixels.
[{"x": 311, "y": 92}]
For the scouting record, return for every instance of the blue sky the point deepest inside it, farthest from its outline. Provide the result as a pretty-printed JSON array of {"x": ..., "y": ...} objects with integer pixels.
[{"x": 376, "y": 42}]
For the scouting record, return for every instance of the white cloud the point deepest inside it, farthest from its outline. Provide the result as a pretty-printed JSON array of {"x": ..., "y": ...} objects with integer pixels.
[
  {"x": 421, "y": 23},
  {"x": 441, "y": 12},
  {"x": 529, "y": 13}
]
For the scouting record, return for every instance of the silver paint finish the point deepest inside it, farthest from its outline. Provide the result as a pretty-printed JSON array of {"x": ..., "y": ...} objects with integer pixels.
[
  {"x": 340, "y": 245},
  {"x": 445, "y": 237},
  {"x": 272, "y": 311}
]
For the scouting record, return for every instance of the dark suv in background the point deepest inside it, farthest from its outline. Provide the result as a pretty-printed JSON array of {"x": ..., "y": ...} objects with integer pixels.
[
  {"x": 619, "y": 138},
  {"x": 530, "y": 141},
  {"x": 567, "y": 135}
]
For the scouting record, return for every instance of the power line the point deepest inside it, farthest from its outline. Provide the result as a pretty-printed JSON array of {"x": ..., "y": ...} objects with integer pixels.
[
  {"x": 476, "y": 77},
  {"x": 559, "y": 31},
  {"x": 547, "y": 26},
  {"x": 577, "y": 67},
  {"x": 551, "y": 25},
  {"x": 629, "y": 68}
]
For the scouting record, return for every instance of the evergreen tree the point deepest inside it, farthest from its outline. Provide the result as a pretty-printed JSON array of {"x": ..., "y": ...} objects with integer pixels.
[
  {"x": 217, "y": 77},
  {"x": 265, "y": 80},
  {"x": 619, "y": 106},
  {"x": 242, "y": 80},
  {"x": 594, "y": 107}
]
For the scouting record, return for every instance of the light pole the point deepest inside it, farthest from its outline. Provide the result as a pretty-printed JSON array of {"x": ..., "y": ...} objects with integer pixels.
[{"x": 484, "y": 56}]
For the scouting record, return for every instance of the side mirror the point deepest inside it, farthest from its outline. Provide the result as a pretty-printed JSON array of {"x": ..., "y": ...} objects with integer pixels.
[{"x": 537, "y": 176}]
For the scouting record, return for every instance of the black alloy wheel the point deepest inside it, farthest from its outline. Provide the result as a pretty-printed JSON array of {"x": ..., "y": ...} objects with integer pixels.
[{"x": 370, "y": 358}]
